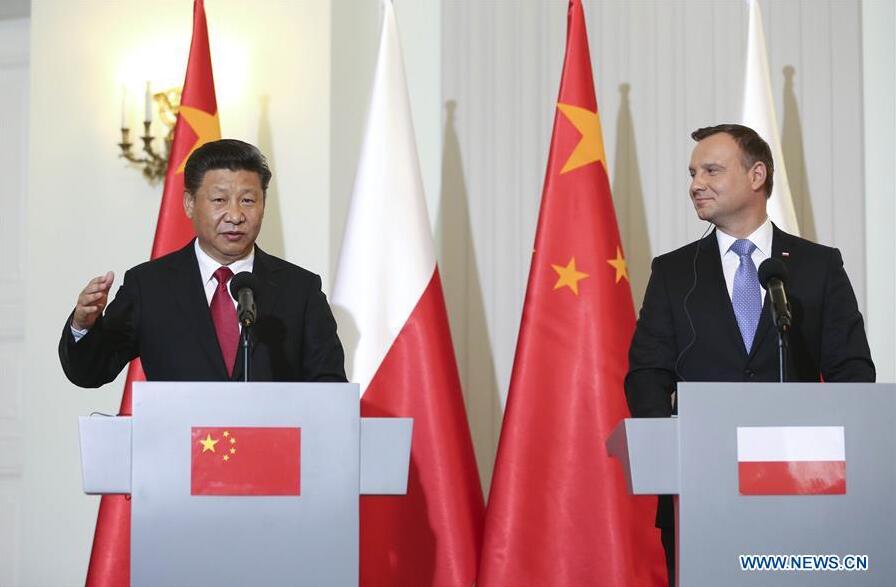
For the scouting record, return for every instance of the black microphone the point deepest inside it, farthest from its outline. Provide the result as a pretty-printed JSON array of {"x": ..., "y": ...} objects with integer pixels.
[
  {"x": 773, "y": 277},
  {"x": 242, "y": 288}
]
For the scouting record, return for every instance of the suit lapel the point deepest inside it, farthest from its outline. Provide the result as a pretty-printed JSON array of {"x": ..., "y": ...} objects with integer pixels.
[
  {"x": 194, "y": 306},
  {"x": 266, "y": 295},
  {"x": 714, "y": 291},
  {"x": 267, "y": 291}
]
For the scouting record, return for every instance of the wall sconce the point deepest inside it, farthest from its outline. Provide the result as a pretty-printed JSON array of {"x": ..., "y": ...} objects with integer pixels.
[{"x": 151, "y": 163}]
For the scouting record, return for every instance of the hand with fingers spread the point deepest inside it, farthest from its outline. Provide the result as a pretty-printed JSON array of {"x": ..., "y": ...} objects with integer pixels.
[{"x": 91, "y": 301}]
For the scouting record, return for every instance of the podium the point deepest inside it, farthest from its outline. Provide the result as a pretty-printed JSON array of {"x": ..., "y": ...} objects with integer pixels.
[
  {"x": 300, "y": 531},
  {"x": 756, "y": 470}
]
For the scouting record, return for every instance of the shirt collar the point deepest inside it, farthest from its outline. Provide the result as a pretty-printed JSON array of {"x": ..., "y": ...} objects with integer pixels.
[
  {"x": 761, "y": 237},
  {"x": 208, "y": 266}
]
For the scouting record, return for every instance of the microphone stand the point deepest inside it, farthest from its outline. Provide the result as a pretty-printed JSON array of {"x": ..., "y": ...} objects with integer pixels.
[
  {"x": 782, "y": 322},
  {"x": 244, "y": 343},
  {"x": 782, "y": 353}
]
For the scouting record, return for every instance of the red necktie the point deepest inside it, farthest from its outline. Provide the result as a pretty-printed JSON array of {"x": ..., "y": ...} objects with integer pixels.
[{"x": 224, "y": 318}]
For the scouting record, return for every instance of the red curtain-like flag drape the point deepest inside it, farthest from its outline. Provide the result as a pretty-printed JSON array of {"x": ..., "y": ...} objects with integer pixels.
[
  {"x": 197, "y": 123},
  {"x": 558, "y": 511}
]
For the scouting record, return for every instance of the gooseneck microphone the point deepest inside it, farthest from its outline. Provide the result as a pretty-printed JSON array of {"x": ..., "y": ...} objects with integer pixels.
[
  {"x": 242, "y": 288},
  {"x": 773, "y": 277}
]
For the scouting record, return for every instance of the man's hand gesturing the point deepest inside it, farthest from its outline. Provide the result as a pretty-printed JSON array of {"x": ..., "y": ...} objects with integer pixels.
[{"x": 92, "y": 300}]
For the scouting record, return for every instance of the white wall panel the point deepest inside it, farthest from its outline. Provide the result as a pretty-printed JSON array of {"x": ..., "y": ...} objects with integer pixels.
[{"x": 13, "y": 149}]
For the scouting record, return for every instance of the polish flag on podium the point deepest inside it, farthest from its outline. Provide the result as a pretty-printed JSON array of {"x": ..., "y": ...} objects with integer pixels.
[
  {"x": 791, "y": 460},
  {"x": 558, "y": 511},
  {"x": 197, "y": 123}
]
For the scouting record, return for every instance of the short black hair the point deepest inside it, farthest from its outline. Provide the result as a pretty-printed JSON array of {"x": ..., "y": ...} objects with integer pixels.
[
  {"x": 229, "y": 154},
  {"x": 752, "y": 148}
]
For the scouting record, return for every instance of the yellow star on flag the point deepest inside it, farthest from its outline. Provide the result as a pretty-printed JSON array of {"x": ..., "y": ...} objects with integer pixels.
[
  {"x": 591, "y": 145},
  {"x": 208, "y": 444},
  {"x": 619, "y": 264},
  {"x": 569, "y": 276},
  {"x": 206, "y": 126}
]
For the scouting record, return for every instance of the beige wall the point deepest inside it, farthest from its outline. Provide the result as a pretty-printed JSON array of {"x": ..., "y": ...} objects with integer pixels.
[{"x": 879, "y": 80}]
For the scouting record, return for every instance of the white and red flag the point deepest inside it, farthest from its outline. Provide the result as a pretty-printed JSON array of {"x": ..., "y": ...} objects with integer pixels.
[
  {"x": 791, "y": 460},
  {"x": 391, "y": 311},
  {"x": 759, "y": 114}
]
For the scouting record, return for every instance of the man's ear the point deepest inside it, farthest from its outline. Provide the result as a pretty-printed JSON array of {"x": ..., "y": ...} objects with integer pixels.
[
  {"x": 189, "y": 201},
  {"x": 758, "y": 175}
]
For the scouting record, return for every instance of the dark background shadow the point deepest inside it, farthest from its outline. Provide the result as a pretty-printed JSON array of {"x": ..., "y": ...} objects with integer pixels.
[
  {"x": 466, "y": 310},
  {"x": 628, "y": 199},
  {"x": 271, "y": 235},
  {"x": 795, "y": 158}
]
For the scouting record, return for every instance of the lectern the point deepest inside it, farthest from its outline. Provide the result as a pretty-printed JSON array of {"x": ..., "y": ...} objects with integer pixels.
[
  {"x": 802, "y": 474},
  {"x": 208, "y": 507}
]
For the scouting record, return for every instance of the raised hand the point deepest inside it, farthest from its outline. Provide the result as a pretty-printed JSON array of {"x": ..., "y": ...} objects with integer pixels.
[{"x": 92, "y": 300}]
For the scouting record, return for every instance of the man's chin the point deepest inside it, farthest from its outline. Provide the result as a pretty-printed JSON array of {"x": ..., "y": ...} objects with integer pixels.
[{"x": 704, "y": 214}]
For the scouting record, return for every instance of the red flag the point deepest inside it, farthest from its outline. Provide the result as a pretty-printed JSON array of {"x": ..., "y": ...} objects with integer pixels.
[
  {"x": 197, "y": 123},
  {"x": 245, "y": 461},
  {"x": 388, "y": 292},
  {"x": 558, "y": 512}
]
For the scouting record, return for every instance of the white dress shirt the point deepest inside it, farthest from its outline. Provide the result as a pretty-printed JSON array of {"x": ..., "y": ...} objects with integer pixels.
[
  {"x": 761, "y": 237},
  {"x": 207, "y": 268}
]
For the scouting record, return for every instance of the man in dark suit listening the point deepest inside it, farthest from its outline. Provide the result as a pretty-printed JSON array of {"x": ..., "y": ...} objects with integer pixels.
[
  {"x": 703, "y": 316},
  {"x": 176, "y": 312}
]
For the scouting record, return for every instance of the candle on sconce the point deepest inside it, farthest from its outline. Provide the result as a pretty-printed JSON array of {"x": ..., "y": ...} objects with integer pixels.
[
  {"x": 124, "y": 106},
  {"x": 148, "y": 115}
]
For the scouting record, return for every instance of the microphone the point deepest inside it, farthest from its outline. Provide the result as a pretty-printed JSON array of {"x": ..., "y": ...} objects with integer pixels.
[
  {"x": 773, "y": 277},
  {"x": 242, "y": 288}
]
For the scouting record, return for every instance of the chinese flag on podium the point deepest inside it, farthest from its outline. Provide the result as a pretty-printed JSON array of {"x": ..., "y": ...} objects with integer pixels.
[
  {"x": 197, "y": 124},
  {"x": 558, "y": 511}
]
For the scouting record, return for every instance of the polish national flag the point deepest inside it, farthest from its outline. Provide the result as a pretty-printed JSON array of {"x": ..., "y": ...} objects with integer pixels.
[
  {"x": 791, "y": 460},
  {"x": 759, "y": 114},
  {"x": 392, "y": 319}
]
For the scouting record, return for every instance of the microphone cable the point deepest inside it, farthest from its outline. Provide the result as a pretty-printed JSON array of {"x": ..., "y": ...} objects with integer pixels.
[{"x": 684, "y": 304}]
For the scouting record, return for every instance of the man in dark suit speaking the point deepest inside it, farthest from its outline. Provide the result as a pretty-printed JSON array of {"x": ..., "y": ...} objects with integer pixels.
[
  {"x": 176, "y": 312},
  {"x": 704, "y": 318}
]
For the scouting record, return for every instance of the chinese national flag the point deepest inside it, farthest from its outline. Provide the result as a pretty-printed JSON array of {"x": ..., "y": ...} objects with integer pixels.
[
  {"x": 197, "y": 123},
  {"x": 245, "y": 461},
  {"x": 558, "y": 511}
]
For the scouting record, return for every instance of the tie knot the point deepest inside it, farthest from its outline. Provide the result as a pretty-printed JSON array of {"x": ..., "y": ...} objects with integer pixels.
[
  {"x": 742, "y": 247},
  {"x": 223, "y": 275}
]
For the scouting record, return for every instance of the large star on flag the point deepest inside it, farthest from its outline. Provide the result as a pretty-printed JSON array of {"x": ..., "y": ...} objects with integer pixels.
[
  {"x": 569, "y": 276},
  {"x": 619, "y": 265},
  {"x": 206, "y": 126},
  {"x": 208, "y": 443},
  {"x": 591, "y": 146}
]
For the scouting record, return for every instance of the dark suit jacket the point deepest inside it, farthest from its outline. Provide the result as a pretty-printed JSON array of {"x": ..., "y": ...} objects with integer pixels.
[
  {"x": 161, "y": 314},
  {"x": 827, "y": 339}
]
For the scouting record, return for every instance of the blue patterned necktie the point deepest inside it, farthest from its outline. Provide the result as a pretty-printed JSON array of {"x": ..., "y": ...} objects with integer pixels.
[{"x": 746, "y": 296}]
